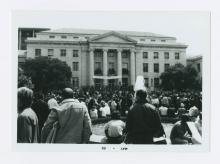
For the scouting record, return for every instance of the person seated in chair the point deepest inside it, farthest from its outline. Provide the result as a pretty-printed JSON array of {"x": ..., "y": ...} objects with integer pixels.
[
  {"x": 180, "y": 133},
  {"x": 114, "y": 129}
]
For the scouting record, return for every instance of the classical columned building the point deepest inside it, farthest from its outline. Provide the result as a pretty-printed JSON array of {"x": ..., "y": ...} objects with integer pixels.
[{"x": 101, "y": 57}]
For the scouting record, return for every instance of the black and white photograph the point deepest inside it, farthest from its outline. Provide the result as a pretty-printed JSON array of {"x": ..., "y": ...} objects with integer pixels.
[{"x": 112, "y": 80}]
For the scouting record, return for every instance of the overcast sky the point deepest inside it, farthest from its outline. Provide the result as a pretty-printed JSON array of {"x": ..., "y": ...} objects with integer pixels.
[{"x": 191, "y": 28}]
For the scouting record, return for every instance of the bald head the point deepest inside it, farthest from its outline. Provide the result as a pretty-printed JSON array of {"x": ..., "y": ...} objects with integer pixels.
[{"x": 67, "y": 93}]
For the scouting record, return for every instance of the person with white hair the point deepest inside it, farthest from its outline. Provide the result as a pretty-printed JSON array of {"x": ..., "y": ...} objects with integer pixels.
[
  {"x": 27, "y": 121},
  {"x": 52, "y": 103}
]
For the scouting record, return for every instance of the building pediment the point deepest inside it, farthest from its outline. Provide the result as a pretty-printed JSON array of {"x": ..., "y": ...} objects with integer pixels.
[{"x": 112, "y": 37}]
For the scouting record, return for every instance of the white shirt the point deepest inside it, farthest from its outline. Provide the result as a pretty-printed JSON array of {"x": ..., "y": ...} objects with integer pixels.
[
  {"x": 163, "y": 110},
  {"x": 115, "y": 128}
]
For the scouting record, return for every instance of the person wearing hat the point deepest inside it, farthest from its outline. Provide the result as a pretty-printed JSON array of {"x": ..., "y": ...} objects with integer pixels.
[{"x": 114, "y": 129}]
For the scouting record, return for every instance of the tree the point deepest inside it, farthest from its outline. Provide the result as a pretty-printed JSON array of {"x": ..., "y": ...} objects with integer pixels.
[
  {"x": 47, "y": 74},
  {"x": 23, "y": 80},
  {"x": 179, "y": 77}
]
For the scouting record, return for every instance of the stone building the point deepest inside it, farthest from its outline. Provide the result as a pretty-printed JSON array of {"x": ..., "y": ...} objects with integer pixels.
[
  {"x": 102, "y": 57},
  {"x": 196, "y": 62}
]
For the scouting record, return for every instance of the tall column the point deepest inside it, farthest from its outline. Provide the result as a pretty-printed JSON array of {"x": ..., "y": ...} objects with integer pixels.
[
  {"x": 139, "y": 65},
  {"x": 105, "y": 66},
  {"x": 132, "y": 64},
  {"x": 91, "y": 62},
  {"x": 119, "y": 66}
]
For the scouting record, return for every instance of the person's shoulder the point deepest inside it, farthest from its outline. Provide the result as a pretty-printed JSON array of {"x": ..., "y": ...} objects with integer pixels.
[
  {"x": 28, "y": 114},
  {"x": 150, "y": 106}
]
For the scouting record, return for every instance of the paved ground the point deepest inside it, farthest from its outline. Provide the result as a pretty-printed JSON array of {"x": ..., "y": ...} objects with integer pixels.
[{"x": 98, "y": 129}]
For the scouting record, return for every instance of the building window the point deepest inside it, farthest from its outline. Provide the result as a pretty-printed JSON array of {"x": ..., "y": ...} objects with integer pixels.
[
  {"x": 145, "y": 67},
  {"x": 166, "y": 55},
  {"x": 98, "y": 70},
  {"x": 51, "y": 36},
  {"x": 177, "y": 55},
  {"x": 125, "y": 54},
  {"x": 75, "y": 66},
  {"x": 198, "y": 67},
  {"x": 62, "y": 52},
  {"x": 156, "y": 67},
  {"x": 63, "y": 36},
  {"x": 75, "y": 81},
  {"x": 124, "y": 68},
  {"x": 75, "y": 53},
  {"x": 125, "y": 81},
  {"x": 166, "y": 67},
  {"x": 50, "y": 52},
  {"x": 110, "y": 54},
  {"x": 75, "y": 37},
  {"x": 156, "y": 82},
  {"x": 111, "y": 70},
  {"x": 146, "y": 83},
  {"x": 152, "y": 40},
  {"x": 156, "y": 55},
  {"x": 142, "y": 39},
  {"x": 98, "y": 54},
  {"x": 98, "y": 83},
  {"x": 37, "y": 52},
  {"x": 145, "y": 55},
  {"x": 163, "y": 40}
]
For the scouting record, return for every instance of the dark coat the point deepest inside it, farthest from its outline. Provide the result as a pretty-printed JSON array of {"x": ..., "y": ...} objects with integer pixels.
[{"x": 143, "y": 123}]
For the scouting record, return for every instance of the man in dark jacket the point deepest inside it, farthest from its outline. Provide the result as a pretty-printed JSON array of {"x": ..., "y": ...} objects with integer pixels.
[{"x": 143, "y": 121}]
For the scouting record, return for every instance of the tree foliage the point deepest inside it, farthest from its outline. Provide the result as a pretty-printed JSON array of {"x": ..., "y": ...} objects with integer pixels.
[
  {"x": 23, "y": 80},
  {"x": 47, "y": 73},
  {"x": 179, "y": 77}
]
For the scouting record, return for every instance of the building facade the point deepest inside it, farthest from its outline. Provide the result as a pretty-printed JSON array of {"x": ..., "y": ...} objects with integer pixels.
[
  {"x": 196, "y": 62},
  {"x": 101, "y": 57}
]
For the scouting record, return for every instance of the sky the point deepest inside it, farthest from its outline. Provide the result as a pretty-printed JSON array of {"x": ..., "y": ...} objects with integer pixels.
[{"x": 189, "y": 27}]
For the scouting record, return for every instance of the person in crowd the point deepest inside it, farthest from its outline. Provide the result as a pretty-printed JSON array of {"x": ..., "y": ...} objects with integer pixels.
[
  {"x": 163, "y": 110},
  {"x": 52, "y": 103},
  {"x": 104, "y": 110},
  {"x": 180, "y": 133},
  {"x": 114, "y": 129},
  {"x": 143, "y": 121},
  {"x": 41, "y": 109},
  {"x": 198, "y": 123},
  {"x": 73, "y": 119},
  {"x": 193, "y": 113},
  {"x": 113, "y": 104},
  {"x": 181, "y": 109},
  {"x": 93, "y": 112},
  {"x": 27, "y": 121}
]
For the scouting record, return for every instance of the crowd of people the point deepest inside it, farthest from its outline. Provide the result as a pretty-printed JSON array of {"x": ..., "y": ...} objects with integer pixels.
[{"x": 66, "y": 116}]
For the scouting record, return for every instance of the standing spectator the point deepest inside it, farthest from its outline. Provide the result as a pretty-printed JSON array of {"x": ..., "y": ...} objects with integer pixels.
[
  {"x": 27, "y": 121},
  {"x": 52, "y": 103},
  {"x": 41, "y": 109},
  {"x": 73, "y": 118},
  {"x": 143, "y": 121}
]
